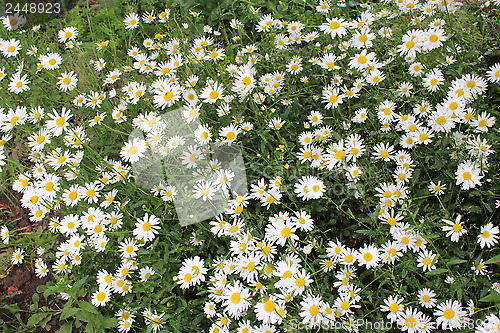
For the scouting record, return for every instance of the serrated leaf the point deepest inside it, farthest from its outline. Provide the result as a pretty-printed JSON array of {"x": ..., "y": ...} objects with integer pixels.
[{"x": 493, "y": 260}]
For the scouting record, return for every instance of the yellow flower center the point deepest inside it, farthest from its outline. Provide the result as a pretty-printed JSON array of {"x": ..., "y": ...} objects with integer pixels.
[
  {"x": 471, "y": 84},
  {"x": 339, "y": 154},
  {"x": 168, "y": 96},
  {"x": 300, "y": 282},
  {"x": 286, "y": 232},
  {"x": 60, "y": 121},
  {"x": 251, "y": 266},
  {"x": 132, "y": 150},
  {"x": 314, "y": 310},
  {"x": 269, "y": 306},
  {"x": 411, "y": 322},
  {"x": 40, "y": 139},
  {"x": 49, "y": 186},
  {"x": 214, "y": 94},
  {"x": 235, "y": 298},
  {"x": 391, "y": 221},
  {"x": 334, "y": 25},
  {"x": 394, "y": 307},
  {"x": 441, "y": 120},
  {"x": 101, "y": 296},
  {"x": 448, "y": 313}
]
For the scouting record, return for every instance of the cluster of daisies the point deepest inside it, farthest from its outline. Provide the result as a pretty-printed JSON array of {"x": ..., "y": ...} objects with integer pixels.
[
  {"x": 266, "y": 280},
  {"x": 251, "y": 283}
]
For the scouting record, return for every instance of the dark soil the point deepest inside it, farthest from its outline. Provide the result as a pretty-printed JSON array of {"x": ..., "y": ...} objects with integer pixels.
[
  {"x": 18, "y": 283},
  {"x": 18, "y": 288}
]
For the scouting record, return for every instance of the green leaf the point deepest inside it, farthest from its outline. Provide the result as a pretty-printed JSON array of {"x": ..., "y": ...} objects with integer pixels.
[
  {"x": 366, "y": 232},
  {"x": 38, "y": 318},
  {"x": 49, "y": 291},
  {"x": 66, "y": 328},
  {"x": 472, "y": 209},
  {"x": 460, "y": 292},
  {"x": 493, "y": 297},
  {"x": 14, "y": 308},
  {"x": 456, "y": 261},
  {"x": 35, "y": 298},
  {"x": 69, "y": 312},
  {"x": 78, "y": 284},
  {"x": 493, "y": 260},
  {"x": 109, "y": 323},
  {"x": 85, "y": 316},
  {"x": 437, "y": 271},
  {"x": 89, "y": 328},
  {"x": 89, "y": 307}
]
